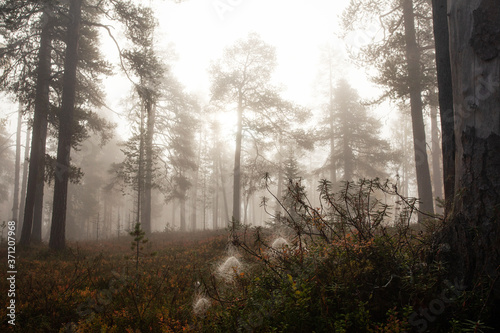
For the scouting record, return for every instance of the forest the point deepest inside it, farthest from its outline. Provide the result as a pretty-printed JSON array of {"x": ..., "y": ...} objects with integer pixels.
[{"x": 250, "y": 166}]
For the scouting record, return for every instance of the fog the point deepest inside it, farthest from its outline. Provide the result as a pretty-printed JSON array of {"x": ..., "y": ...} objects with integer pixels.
[{"x": 313, "y": 115}]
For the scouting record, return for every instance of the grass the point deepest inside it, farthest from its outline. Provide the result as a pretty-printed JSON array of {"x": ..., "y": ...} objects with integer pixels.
[{"x": 95, "y": 287}]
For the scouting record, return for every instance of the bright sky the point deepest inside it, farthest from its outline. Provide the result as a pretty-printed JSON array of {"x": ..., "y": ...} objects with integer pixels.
[{"x": 201, "y": 29}]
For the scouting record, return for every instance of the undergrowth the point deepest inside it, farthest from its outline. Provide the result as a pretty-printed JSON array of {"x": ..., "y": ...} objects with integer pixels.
[{"x": 352, "y": 264}]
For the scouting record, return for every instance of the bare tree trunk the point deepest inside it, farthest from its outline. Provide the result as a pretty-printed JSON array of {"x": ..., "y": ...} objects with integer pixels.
[
  {"x": 333, "y": 167},
  {"x": 195, "y": 187},
  {"x": 419, "y": 143},
  {"x": 237, "y": 167},
  {"x": 182, "y": 202},
  {"x": 223, "y": 189},
  {"x": 36, "y": 234},
  {"x": 441, "y": 38},
  {"x": 474, "y": 232},
  {"x": 17, "y": 167},
  {"x": 37, "y": 156},
  {"x": 58, "y": 227},
  {"x": 148, "y": 181},
  {"x": 215, "y": 207},
  {"x": 140, "y": 170},
  {"x": 279, "y": 191},
  {"x": 437, "y": 180},
  {"x": 25, "y": 173}
]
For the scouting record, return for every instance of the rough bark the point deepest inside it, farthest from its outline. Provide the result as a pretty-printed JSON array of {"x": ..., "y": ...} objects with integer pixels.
[
  {"x": 437, "y": 180},
  {"x": 36, "y": 233},
  {"x": 474, "y": 223},
  {"x": 58, "y": 227},
  {"x": 441, "y": 39},
  {"x": 37, "y": 156},
  {"x": 415, "y": 87}
]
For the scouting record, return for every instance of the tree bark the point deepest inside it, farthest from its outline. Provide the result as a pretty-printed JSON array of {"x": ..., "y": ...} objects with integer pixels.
[
  {"x": 37, "y": 156},
  {"x": 441, "y": 39},
  {"x": 415, "y": 87},
  {"x": 58, "y": 227},
  {"x": 148, "y": 185},
  {"x": 474, "y": 224},
  {"x": 36, "y": 234},
  {"x": 437, "y": 180}
]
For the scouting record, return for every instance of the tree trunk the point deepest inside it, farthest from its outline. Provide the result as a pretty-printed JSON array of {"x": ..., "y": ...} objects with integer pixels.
[
  {"x": 474, "y": 232},
  {"x": 36, "y": 234},
  {"x": 148, "y": 184},
  {"x": 419, "y": 143},
  {"x": 58, "y": 227},
  {"x": 437, "y": 181},
  {"x": 279, "y": 193},
  {"x": 237, "y": 167},
  {"x": 441, "y": 38},
  {"x": 17, "y": 167},
  {"x": 37, "y": 156},
  {"x": 215, "y": 212},
  {"x": 333, "y": 168},
  {"x": 140, "y": 170},
  {"x": 24, "y": 183},
  {"x": 182, "y": 202},
  {"x": 223, "y": 189},
  {"x": 194, "y": 192}
]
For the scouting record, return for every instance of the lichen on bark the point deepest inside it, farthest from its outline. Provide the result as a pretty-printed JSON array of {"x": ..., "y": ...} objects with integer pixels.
[{"x": 485, "y": 38}]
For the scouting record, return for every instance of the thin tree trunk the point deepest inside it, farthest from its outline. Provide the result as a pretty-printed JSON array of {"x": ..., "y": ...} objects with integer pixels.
[
  {"x": 419, "y": 143},
  {"x": 182, "y": 202},
  {"x": 37, "y": 155},
  {"x": 25, "y": 173},
  {"x": 223, "y": 188},
  {"x": 140, "y": 170},
  {"x": 441, "y": 38},
  {"x": 151, "y": 114},
  {"x": 204, "y": 201},
  {"x": 236, "y": 218},
  {"x": 58, "y": 227},
  {"x": 437, "y": 180},
  {"x": 194, "y": 200},
  {"x": 245, "y": 209},
  {"x": 215, "y": 213},
  {"x": 333, "y": 168},
  {"x": 279, "y": 193},
  {"x": 17, "y": 167}
]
